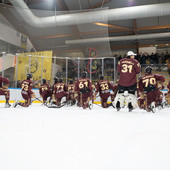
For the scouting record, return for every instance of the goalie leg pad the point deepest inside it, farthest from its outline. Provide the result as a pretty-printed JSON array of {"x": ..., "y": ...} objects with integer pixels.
[
  {"x": 119, "y": 98},
  {"x": 131, "y": 99}
]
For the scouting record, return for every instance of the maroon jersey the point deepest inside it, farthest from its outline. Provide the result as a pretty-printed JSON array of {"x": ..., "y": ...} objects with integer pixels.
[
  {"x": 168, "y": 87},
  {"x": 44, "y": 89},
  {"x": 26, "y": 87},
  {"x": 128, "y": 68},
  {"x": 70, "y": 88},
  {"x": 3, "y": 80},
  {"x": 149, "y": 82},
  {"x": 84, "y": 88},
  {"x": 103, "y": 87},
  {"x": 70, "y": 91},
  {"x": 59, "y": 90},
  {"x": 3, "y": 90},
  {"x": 83, "y": 83}
]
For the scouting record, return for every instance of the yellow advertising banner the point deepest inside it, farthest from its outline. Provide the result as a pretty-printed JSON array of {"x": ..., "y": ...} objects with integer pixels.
[{"x": 38, "y": 63}]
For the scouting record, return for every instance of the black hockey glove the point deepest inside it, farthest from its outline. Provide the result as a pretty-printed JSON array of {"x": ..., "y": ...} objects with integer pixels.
[{"x": 85, "y": 90}]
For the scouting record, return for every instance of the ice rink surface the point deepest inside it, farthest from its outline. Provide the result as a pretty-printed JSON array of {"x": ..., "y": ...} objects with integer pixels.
[{"x": 70, "y": 138}]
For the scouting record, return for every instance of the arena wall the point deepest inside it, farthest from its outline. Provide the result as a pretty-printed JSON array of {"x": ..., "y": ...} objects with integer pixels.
[{"x": 15, "y": 94}]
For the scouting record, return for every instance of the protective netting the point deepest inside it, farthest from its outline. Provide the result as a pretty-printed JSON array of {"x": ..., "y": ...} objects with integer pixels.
[{"x": 69, "y": 35}]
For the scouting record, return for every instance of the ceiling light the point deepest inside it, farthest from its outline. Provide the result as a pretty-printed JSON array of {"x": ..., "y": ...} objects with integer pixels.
[{"x": 101, "y": 24}]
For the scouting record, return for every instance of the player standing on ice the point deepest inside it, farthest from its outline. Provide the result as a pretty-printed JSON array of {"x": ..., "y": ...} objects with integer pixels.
[
  {"x": 45, "y": 91},
  {"x": 127, "y": 68},
  {"x": 148, "y": 87},
  {"x": 26, "y": 92},
  {"x": 104, "y": 87},
  {"x": 4, "y": 84},
  {"x": 83, "y": 87}
]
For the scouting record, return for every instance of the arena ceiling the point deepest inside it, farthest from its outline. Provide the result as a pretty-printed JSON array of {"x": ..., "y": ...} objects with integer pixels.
[{"x": 63, "y": 38}]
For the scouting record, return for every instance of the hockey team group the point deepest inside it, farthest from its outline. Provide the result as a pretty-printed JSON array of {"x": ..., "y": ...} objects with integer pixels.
[{"x": 144, "y": 93}]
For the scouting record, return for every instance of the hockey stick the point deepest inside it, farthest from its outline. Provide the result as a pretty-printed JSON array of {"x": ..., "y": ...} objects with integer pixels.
[
  {"x": 63, "y": 104},
  {"x": 34, "y": 99}
]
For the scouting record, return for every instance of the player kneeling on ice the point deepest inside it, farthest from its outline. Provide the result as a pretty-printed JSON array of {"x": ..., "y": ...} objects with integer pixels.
[
  {"x": 26, "y": 92},
  {"x": 59, "y": 91},
  {"x": 104, "y": 87},
  {"x": 45, "y": 91},
  {"x": 83, "y": 87},
  {"x": 127, "y": 68},
  {"x": 149, "y": 91},
  {"x": 4, "y": 84},
  {"x": 70, "y": 93},
  {"x": 167, "y": 95}
]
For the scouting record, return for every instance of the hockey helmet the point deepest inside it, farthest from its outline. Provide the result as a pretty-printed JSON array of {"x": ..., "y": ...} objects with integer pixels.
[
  {"x": 71, "y": 81},
  {"x": 60, "y": 80},
  {"x": 101, "y": 77},
  {"x": 43, "y": 80},
  {"x": 29, "y": 76},
  {"x": 84, "y": 74},
  {"x": 56, "y": 79},
  {"x": 148, "y": 69}
]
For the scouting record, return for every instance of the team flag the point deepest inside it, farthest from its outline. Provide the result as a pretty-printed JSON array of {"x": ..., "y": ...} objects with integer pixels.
[{"x": 39, "y": 64}]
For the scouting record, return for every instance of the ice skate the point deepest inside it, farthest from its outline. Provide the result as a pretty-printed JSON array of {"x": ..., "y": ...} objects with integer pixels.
[
  {"x": 16, "y": 103},
  {"x": 152, "y": 107},
  {"x": 7, "y": 105}
]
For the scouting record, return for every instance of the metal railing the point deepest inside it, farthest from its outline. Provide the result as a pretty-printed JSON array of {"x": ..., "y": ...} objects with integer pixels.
[{"x": 64, "y": 67}]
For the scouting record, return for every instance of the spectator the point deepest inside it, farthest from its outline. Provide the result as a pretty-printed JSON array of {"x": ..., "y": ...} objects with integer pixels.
[
  {"x": 143, "y": 59},
  {"x": 162, "y": 58}
]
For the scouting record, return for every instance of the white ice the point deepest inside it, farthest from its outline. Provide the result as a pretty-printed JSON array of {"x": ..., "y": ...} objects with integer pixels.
[{"x": 70, "y": 138}]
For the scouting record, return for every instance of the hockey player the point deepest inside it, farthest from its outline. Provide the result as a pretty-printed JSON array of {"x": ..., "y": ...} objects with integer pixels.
[
  {"x": 55, "y": 82},
  {"x": 45, "y": 91},
  {"x": 167, "y": 96},
  {"x": 70, "y": 93},
  {"x": 104, "y": 87},
  {"x": 160, "y": 103},
  {"x": 52, "y": 89},
  {"x": 83, "y": 87},
  {"x": 59, "y": 91},
  {"x": 4, "y": 84},
  {"x": 148, "y": 87},
  {"x": 127, "y": 68},
  {"x": 93, "y": 92},
  {"x": 26, "y": 92}
]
